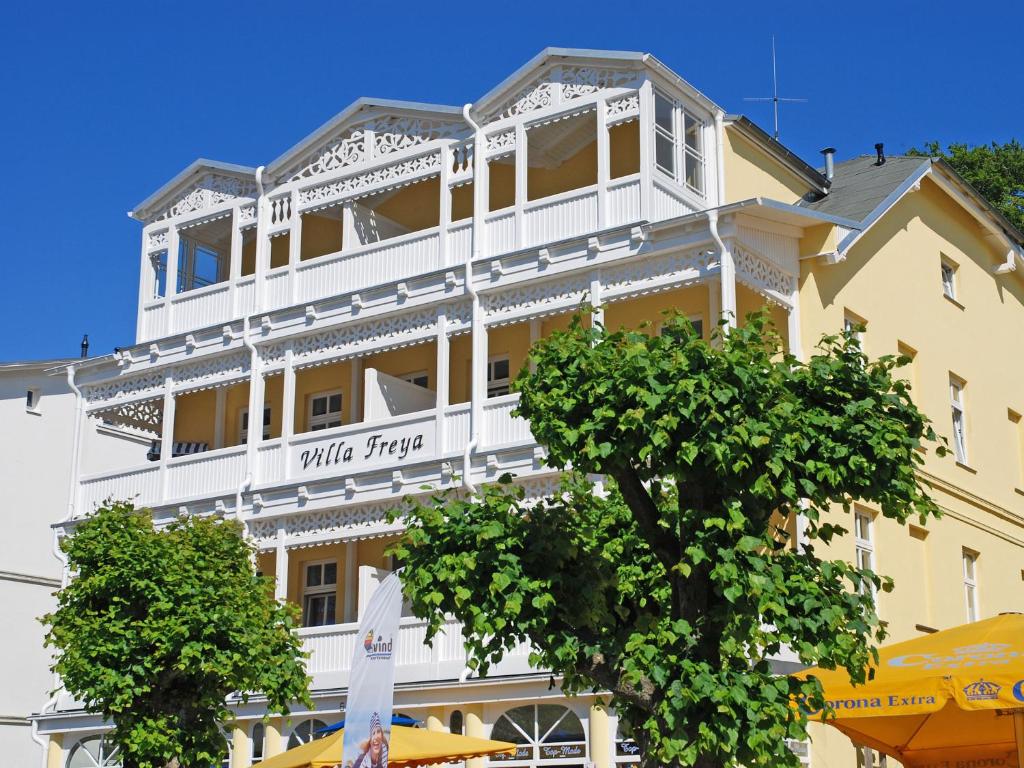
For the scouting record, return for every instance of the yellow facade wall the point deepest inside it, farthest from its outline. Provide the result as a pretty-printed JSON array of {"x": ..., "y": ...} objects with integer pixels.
[
  {"x": 460, "y": 352},
  {"x": 580, "y": 170},
  {"x": 691, "y": 302},
  {"x": 401, "y": 362},
  {"x": 194, "y": 416},
  {"x": 624, "y": 149},
  {"x": 322, "y": 378},
  {"x": 752, "y": 172},
  {"x": 320, "y": 235},
  {"x": 417, "y": 206}
]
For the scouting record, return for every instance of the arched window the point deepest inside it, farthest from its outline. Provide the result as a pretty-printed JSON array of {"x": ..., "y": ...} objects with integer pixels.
[
  {"x": 257, "y": 744},
  {"x": 305, "y": 732},
  {"x": 94, "y": 752},
  {"x": 550, "y": 734},
  {"x": 455, "y": 722}
]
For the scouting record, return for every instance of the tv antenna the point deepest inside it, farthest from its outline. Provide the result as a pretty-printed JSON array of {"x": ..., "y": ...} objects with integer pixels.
[{"x": 775, "y": 99}]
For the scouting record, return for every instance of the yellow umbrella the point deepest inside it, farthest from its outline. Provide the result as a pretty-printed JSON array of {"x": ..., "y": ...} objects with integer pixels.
[
  {"x": 407, "y": 747},
  {"x": 939, "y": 699}
]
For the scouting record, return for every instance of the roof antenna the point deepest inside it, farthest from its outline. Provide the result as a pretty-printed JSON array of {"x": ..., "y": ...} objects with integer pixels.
[
  {"x": 775, "y": 99},
  {"x": 880, "y": 153},
  {"x": 85, "y": 345}
]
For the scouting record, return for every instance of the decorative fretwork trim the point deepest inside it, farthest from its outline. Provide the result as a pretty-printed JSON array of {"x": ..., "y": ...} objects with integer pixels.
[
  {"x": 583, "y": 81},
  {"x": 623, "y": 110},
  {"x": 213, "y": 189},
  {"x": 371, "y": 182},
  {"x": 765, "y": 278}
]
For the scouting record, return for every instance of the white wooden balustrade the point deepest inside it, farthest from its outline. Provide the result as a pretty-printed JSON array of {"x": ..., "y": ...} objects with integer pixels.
[
  {"x": 560, "y": 216},
  {"x": 345, "y": 450}
]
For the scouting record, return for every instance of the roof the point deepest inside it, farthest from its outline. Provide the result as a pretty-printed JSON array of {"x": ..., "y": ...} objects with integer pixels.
[
  {"x": 29, "y": 365},
  {"x": 363, "y": 102},
  {"x": 859, "y": 185},
  {"x": 196, "y": 168},
  {"x": 780, "y": 152},
  {"x": 637, "y": 58}
]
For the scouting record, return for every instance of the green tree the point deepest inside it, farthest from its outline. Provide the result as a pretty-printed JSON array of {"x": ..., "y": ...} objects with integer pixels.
[
  {"x": 672, "y": 585},
  {"x": 995, "y": 170},
  {"x": 157, "y": 627}
]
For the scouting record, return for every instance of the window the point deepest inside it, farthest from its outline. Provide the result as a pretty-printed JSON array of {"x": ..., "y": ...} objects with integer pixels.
[
  {"x": 324, "y": 411},
  {"x": 243, "y": 425},
  {"x": 158, "y": 263},
  {"x": 257, "y": 744},
  {"x": 498, "y": 381},
  {"x": 199, "y": 265},
  {"x": 970, "y": 566},
  {"x": 802, "y": 750},
  {"x": 455, "y": 722},
  {"x": 548, "y": 732},
  {"x": 94, "y": 752},
  {"x": 956, "y": 403},
  {"x": 420, "y": 379},
  {"x": 868, "y": 758},
  {"x": 948, "y": 271},
  {"x": 305, "y": 732},
  {"x": 678, "y": 143},
  {"x": 854, "y": 326},
  {"x": 319, "y": 594},
  {"x": 864, "y": 543}
]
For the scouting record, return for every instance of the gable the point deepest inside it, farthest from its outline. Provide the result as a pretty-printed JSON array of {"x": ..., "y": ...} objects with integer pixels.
[
  {"x": 560, "y": 83},
  {"x": 209, "y": 191}
]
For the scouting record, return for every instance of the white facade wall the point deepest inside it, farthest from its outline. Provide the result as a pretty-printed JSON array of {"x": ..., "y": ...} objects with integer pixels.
[{"x": 35, "y": 465}]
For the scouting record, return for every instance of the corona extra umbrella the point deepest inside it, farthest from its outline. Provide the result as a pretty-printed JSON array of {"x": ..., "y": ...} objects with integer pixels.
[
  {"x": 952, "y": 697},
  {"x": 409, "y": 747}
]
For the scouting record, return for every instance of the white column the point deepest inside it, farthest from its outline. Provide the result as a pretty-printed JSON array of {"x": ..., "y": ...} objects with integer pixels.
[
  {"x": 281, "y": 563},
  {"x": 536, "y": 327},
  {"x": 255, "y": 436},
  {"x": 147, "y": 288},
  {"x": 603, "y": 165},
  {"x": 355, "y": 388},
  {"x": 294, "y": 246},
  {"x": 173, "y": 244},
  {"x": 714, "y": 304},
  {"x": 288, "y": 409},
  {"x": 646, "y": 118},
  {"x": 349, "y": 237},
  {"x": 595, "y": 297},
  {"x": 793, "y": 322},
  {"x": 234, "y": 262},
  {"x": 445, "y": 215},
  {"x": 351, "y": 581},
  {"x": 218, "y": 416},
  {"x": 522, "y": 180},
  {"x": 166, "y": 432},
  {"x": 441, "y": 378}
]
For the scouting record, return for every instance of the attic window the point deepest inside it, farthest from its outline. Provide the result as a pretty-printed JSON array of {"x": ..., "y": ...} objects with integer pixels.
[{"x": 678, "y": 143}]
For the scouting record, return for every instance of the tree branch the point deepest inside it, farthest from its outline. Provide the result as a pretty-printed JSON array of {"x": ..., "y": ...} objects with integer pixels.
[
  {"x": 645, "y": 512},
  {"x": 597, "y": 668}
]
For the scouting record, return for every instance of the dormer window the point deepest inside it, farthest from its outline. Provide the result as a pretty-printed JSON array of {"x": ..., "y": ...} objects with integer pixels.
[
  {"x": 199, "y": 265},
  {"x": 678, "y": 143}
]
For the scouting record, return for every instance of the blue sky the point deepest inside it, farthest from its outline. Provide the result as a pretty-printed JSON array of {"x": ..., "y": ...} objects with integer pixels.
[{"x": 104, "y": 102}]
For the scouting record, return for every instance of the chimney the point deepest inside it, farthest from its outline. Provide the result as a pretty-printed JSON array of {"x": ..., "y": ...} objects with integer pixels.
[
  {"x": 880, "y": 150},
  {"x": 830, "y": 165},
  {"x": 85, "y": 346}
]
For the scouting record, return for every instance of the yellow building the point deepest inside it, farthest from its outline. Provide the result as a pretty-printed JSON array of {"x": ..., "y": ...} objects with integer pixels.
[{"x": 371, "y": 292}]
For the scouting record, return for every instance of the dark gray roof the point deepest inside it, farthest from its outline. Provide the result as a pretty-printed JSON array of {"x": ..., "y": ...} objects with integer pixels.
[{"x": 859, "y": 185}]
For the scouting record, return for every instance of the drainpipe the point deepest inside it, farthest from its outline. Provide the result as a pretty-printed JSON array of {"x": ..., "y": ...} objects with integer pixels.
[
  {"x": 250, "y": 449},
  {"x": 720, "y": 154},
  {"x": 75, "y": 447},
  {"x": 476, "y": 405},
  {"x": 727, "y": 272}
]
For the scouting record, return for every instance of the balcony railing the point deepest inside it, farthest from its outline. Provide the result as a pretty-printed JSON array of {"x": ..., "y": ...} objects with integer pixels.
[
  {"x": 331, "y": 650},
  {"x": 346, "y": 450}
]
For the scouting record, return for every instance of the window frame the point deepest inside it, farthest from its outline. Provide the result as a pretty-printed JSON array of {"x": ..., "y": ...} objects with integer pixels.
[
  {"x": 958, "y": 416},
  {"x": 970, "y": 580},
  {"x": 950, "y": 288},
  {"x": 188, "y": 249},
  {"x": 325, "y": 421},
  {"x": 498, "y": 383},
  {"x": 865, "y": 545},
  {"x": 243, "y": 423},
  {"x": 158, "y": 265},
  {"x": 320, "y": 590},
  {"x": 683, "y": 152},
  {"x": 253, "y": 757}
]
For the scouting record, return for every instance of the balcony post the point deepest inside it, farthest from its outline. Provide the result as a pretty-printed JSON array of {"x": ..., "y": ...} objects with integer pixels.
[
  {"x": 351, "y": 581},
  {"x": 166, "y": 433},
  {"x": 441, "y": 380},
  {"x": 349, "y": 236},
  {"x": 714, "y": 305},
  {"x": 646, "y": 118},
  {"x": 478, "y": 381},
  {"x": 445, "y": 207},
  {"x": 603, "y": 164},
  {"x": 147, "y": 289},
  {"x": 218, "y": 416},
  {"x": 288, "y": 409},
  {"x": 294, "y": 246},
  {"x": 522, "y": 180},
  {"x": 356, "y": 388},
  {"x": 595, "y": 298},
  {"x": 234, "y": 261},
  {"x": 255, "y": 433},
  {"x": 171, "y": 280},
  {"x": 280, "y": 562},
  {"x": 536, "y": 327}
]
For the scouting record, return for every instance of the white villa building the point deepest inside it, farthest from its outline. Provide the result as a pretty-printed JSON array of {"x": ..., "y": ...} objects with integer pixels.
[{"x": 370, "y": 293}]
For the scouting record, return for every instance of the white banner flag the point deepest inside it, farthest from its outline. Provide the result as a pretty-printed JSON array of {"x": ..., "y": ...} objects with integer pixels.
[{"x": 371, "y": 688}]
